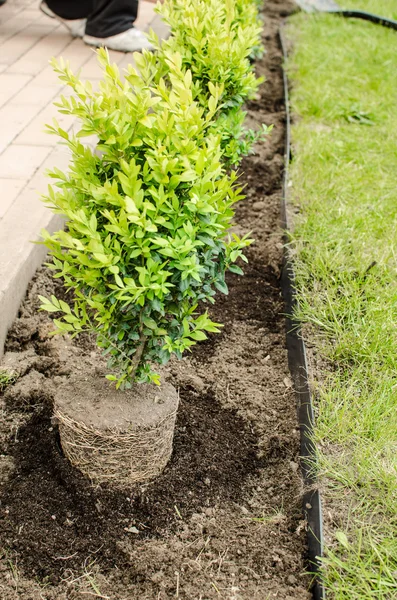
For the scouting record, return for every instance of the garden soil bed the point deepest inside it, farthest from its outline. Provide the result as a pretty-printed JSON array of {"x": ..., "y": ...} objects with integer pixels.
[{"x": 224, "y": 519}]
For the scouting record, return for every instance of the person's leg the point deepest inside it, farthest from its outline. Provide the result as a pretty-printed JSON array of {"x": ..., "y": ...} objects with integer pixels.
[
  {"x": 72, "y": 14},
  {"x": 71, "y": 9},
  {"x": 111, "y": 17},
  {"x": 100, "y": 22},
  {"x": 111, "y": 25}
]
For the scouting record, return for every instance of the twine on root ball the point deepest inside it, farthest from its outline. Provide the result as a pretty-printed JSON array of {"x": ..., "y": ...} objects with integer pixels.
[
  {"x": 121, "y": 457},
  {"x": 120, "y": 437}
]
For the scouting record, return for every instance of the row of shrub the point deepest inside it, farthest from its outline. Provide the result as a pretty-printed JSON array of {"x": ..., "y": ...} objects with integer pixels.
[{"x": 149, "y": 208}]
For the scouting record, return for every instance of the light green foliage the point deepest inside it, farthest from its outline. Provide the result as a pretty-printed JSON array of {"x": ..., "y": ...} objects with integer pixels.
[
  {"x": 215, "y": 43},
  {"x": 344, "y": 179},
  {"x": 248, "y": 13},
  {"x": 216, "y": 39},
  {"x": 147, "y": 214}
]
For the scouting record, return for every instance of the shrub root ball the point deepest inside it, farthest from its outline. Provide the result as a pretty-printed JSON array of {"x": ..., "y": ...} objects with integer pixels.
[{"x": 113, "y": 436}]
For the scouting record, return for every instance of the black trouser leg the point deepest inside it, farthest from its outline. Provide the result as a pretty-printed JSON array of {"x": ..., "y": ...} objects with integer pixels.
[
  {"x": 104, "y": 17},
  {"x": 110, "y": 17},
  {"x": 71, "y": 9}
]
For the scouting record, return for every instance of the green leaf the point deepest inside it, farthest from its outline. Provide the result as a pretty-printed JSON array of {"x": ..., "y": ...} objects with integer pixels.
[
  {"x": 150, "y": 323},
  {"x": 111, "y": 377},
  {"x": 342, "y": 539},
  {"x": 118, "y": 280},
  {"x": 188, "y": 175},
  {"x": 147, "y": 121},
  {"x": 198, "y": 335},
  {"x": 236, "y": 269},
  {"x": 222, "y": 287}
]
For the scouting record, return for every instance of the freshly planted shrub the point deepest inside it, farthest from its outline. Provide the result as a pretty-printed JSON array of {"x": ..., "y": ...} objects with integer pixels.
[
  {"x": 147, "y": 215},
  {"x": 215, "y": 39},
  {"x": 214, "y": 44}
]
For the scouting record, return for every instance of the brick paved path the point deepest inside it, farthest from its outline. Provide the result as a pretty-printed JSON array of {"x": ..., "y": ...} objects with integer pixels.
[{"x": 28, "y": 88}]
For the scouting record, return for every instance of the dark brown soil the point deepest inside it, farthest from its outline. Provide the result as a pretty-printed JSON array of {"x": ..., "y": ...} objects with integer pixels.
[{"x": 224, "y": 520}]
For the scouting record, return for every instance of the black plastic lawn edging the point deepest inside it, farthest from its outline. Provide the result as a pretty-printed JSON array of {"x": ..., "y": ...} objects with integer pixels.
[
  {"x": 299, "y": 371},
  {"x": 331, "y": 7},
  {"x": 360, "y": 14}
]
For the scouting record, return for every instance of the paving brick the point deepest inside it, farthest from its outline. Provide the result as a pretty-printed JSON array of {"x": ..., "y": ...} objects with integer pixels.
[
  {"x": 145, "y": 14},
  {"x": 21, "y": 162},
  {"x": 18, "y": 22},
  {"x": 47, "y": 76},
  {"x": 8, "y": 11},
  {"x": 44, "y": 87},
  {"x": 10, "y": 84},
  {"x": 34, "y": 134},
  {"x": 17, "y": 46},
  {"x": 40, "y": 95},
  {"x": 9, "y": 190},
  {"x": 13, "y": 119},
  {"x": 37, "y": 57},
  {"x": 59, "y": 158}
]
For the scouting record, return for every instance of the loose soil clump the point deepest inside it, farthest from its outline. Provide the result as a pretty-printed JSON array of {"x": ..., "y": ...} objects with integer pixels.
[{"x": 224, "y": 518}]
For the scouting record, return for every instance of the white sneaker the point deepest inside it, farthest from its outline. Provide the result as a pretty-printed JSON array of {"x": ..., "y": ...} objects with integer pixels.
[
  {"x": 75, "y": 26},
  {"x": 132, "y": 40}
]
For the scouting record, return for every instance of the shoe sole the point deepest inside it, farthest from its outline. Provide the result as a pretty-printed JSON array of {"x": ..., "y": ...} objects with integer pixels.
[{"x": 90, "y": 41}]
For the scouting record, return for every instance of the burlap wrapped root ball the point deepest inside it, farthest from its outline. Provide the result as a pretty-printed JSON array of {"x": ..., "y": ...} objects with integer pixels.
[{"x": 113, "y": 436}]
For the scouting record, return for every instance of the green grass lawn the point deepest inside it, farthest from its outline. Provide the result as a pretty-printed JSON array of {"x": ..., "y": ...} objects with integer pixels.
[{"x": 344, "y": 182}]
